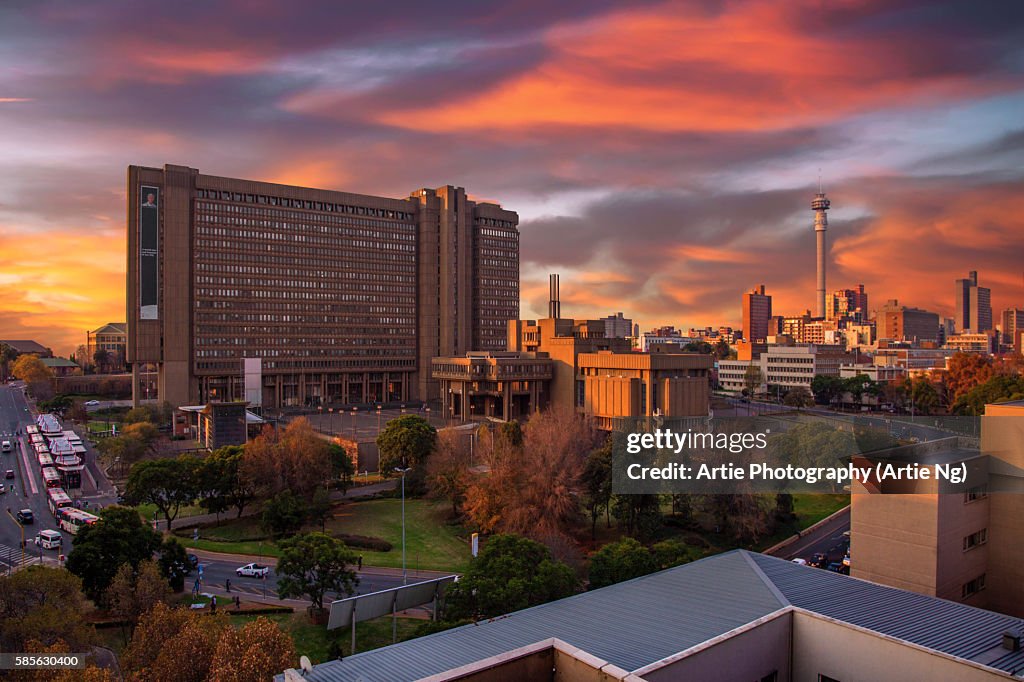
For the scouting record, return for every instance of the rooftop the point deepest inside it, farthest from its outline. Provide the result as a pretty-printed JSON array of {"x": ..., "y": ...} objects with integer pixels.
[{"x": 652, "y": 618}]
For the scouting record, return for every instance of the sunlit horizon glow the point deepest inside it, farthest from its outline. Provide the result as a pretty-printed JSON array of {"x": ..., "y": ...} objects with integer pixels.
[{"x": 662, "y": 155}]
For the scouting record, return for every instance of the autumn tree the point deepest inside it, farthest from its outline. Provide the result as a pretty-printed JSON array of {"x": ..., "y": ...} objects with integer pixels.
[
  {"x": 448, "y": 469},
  {"x": 118, "y": 537},
  {"x": 90, "y": 673},
  {"x": 313, "y": 564},
  {"x": 31, "y": 370},
  {"x": 45, "y": 605},
  {"x": 173, "y": 645},
  {"x": 964, "y": 372},
  {"x": 798, "y": 396},
  {"x": 752, "y": 380},
  {"x": 135, "y": 591},
  {"x": 258, "y": 650},
  {"x": 509, "y": 574},
  {"x": 295, "y": 459}
]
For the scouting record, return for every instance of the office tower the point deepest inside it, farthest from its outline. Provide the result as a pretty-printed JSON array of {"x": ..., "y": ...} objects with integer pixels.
[
  {"x": 1012, "y": 322},
  {"x": 757, "y": 310},
  {"x": 284, "y": 295},
  {"x": 847, "y": 304},
  {"x": 820, "y": 205},
  {"x": 973, "y": 305},
  {"x": 897, "y": 322},
  {"x": 617, "y": 327}
]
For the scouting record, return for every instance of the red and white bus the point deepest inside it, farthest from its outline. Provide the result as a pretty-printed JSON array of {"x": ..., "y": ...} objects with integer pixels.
[
  {"x": 56, "y": 498},
  {"x": 72, "y": 520},
  {"x": 45, "y": 460},
  {"x": 50, "y": 477}
]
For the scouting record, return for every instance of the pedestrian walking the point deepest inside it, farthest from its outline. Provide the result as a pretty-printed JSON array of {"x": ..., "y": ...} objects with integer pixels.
[
  {"x": 360, "y": 562},
  {"x": 213, "y": 605},
  {"x": 238, "y": 602},
  {"x": 227, "y": 584}
]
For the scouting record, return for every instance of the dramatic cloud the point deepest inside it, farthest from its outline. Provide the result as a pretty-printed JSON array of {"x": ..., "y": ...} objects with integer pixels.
[{"x": 661, "y": 154}]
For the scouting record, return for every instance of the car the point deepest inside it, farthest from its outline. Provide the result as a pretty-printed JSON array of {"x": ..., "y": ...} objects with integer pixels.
[
  {"x": 92, "y": 403},
  {"x": 25, "y": 517},
  {"x": 819, "y": 560},
  {"x": 6, "y": 446},
  {"x": 9, "y": 474},
  {"x": 846, "y": 560},
  {"x": 837, "y": 567},
  {"x": 252, "y": 571},
  {"x": 2, "y": 489},
  {"x": 800, "y": 562}
]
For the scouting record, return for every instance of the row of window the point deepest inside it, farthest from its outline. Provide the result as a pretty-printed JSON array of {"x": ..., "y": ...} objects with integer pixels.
[
  {"x": 301, "y": 204},
  {"x": 395, "y": 262},
  {"x": 289, "y": 319}
]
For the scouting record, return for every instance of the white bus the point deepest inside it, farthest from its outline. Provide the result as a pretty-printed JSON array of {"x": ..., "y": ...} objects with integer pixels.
[
  {"x": 50, "y": 477},
  {"x": 56, "y": 498},
  {"x": 45, "y": 460},
  {"x": 72, "y": 520}
]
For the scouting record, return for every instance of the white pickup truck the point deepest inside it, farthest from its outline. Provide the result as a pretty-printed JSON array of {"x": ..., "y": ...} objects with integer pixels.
[{"x": 252, "y": 571}]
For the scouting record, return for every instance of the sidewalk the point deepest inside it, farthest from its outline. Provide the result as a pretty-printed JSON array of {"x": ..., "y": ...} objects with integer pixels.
[
  {"x": 243, "y": 559},
  {"x": 336, "y": 496}
]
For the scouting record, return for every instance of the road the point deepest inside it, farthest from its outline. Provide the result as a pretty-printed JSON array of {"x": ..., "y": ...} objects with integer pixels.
[
  {"x": 218, "y": 568},
  {"x": 827, "y": 539}
]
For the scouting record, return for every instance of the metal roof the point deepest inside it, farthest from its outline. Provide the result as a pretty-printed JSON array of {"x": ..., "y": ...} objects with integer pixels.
[{"x": 639, "y": 622}]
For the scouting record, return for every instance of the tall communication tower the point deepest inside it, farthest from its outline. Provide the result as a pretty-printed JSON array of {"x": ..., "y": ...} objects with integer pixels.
[{"x": 819, "y": 205}]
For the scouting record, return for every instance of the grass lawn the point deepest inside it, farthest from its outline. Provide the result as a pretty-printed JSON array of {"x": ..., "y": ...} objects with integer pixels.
[
  {"x": 431, "y": 542},
  {"x": 147, "y": 510}
]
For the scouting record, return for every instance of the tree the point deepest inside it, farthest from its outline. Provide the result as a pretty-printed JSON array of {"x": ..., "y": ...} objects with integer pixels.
[
  {"x": 447, "y": 470},
  {"x": 295, "y": 459},
  {"x": 826, "y": 388},
  {"x": 118, "y": 537},
  {"x": 723, "y": 350},
  {"x": 135, "y": 591},
  {"x": 283, "y": 514},
  {"x": 641, "y": 514},
  {"x": 669, "y": 553},
  {"x": 702, "y": 347},
  {"x": 509, "y": 574},
  {"x": 125, "y": 449},
  {"x": 166, "y": 483},
  {"x": 924, "y": 398},
  {"x": 142, "y": 413},
  {"x": 221, "y": 484},
  {"x": 798, "y": 396},
  {"x": 45, "y": 605},
  {"x": 597, "y": 484},
  {"x": 258, "y": 650},
  {"x": 619, "y": 561},
  {"x": 173, "y": 645},
  {"x": 101, "y": 357},
  {"x": 752, "y": 380},
  {"x": 343, "y": 465},
  {"x": 313, "y": 564},
  {"x": 174, "y": 564},
  {"x": 997, "y": 389},
  {"x": 965, "y": 371},
  {"x": 405, "y": 442},
  {"x": 319, "y": 509},
  {"x": 7, "y": 357},
  {"x": 31, "y": 370}
]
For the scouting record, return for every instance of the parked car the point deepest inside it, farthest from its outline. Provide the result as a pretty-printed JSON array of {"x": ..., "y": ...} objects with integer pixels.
[
  {"x": 25, "y": 517},
  {"x": 2, "y": 489},
  {"x": 837, "y": 567},
  {"x": 9, "y": 474},
  {"x": 819, "y": 560},
  {"x": 800, "y": 562},
  {"x": 252, "y": 571},
  {"x": 92, "y": 403}
]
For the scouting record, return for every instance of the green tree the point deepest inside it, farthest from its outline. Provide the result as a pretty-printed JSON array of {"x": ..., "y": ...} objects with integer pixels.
[
  {"x": 826, "y": 389},
  {"x": 723, "y": 350},
  {"x": 118, "y": 537},
  {"x": 999, "y": 388},
  {"x": 752, "y": 380},
  {"x": 313, "y": 564},
  {"x": 343, "y": 466},
  {"x": 619, "y": 561},
  {"x": 597, "y": 484},
  {"x": 669, "y": 553},
  {"x": 221, "y": 484},
  {"x": 406, "y": 441},
  {"x": 798, "y": 396},
  {"x": 319, "y": 509},
  {"x": 142, "y": 413},
  {"x": 168, "y": 484},
  {"x": 45, "y": 605},
  {"x": 640, "y": 514},
  {"x": 283, "y": 514},
  {"x": 101, "y": 357},
  {"x": 702, "y": 347},
  {"x": 174, "y": 563},
  {"x": 509, "y": 574},
  {"x": 924, "y": 398}
]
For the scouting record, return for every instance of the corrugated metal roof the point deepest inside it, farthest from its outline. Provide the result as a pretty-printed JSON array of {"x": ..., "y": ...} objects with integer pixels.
[
  {"x": 631, "y": 624},
  {"x": 639, "y": 622},
  {"x": 950, "y": 627}
]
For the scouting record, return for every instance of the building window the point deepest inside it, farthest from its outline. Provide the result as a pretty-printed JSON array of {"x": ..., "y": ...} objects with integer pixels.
[
  {"x": 975, "y": 539},
  {"x": 976, "y": 493},
  {"x": 973, "y": 587}
]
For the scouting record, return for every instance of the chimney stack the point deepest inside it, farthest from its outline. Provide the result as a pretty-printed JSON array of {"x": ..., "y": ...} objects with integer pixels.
[{"x": 554, "y": 304}]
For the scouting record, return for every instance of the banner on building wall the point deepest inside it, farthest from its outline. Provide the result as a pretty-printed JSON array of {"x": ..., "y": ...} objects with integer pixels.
[{"x": 149, "y": 252}]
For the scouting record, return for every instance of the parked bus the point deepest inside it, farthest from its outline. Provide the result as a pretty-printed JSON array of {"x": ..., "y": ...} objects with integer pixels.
[
  {"x": 56, "y": 498},
  {"x": 50, "y": 477},
  {"x": 72, "y": 520},
  {"x": 45, "y": 460}
]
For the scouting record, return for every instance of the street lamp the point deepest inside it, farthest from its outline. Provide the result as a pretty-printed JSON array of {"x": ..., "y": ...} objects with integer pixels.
[
  {"x": 354, "y": 410},
  {"x": 330, "y": 418},
  {"x": 378, "y": 418},
  {"x": 405, "y": 575},
  {"x": 320, "y": 418}
]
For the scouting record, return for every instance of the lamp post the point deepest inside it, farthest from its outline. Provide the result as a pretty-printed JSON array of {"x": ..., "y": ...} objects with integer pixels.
[
  {"x": 405, "y": 575},
  {"x": 330, "y": 419},
  {"x": 378, "y": 418},
  {"x": 354, "y": 410},
  {"x": 320, "y": 418}
]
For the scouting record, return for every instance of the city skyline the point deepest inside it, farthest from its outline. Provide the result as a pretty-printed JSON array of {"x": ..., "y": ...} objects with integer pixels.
[{"x": 661, "y": 184}]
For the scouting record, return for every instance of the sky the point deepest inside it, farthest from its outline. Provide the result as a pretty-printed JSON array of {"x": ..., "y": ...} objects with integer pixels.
[{"x": 662, "y": 156}]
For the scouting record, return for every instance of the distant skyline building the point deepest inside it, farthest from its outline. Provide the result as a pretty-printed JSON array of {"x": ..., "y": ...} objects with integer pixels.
[
  {"x": 293, "y": 296},
  {"x": 1011, "y": 323},
  {"x": 820, "y": 205},
  {"x": 847, "y": 304},
  {"x": 757, "y": 311},
  {"x": 617, "y": 327},
  {"x": 973, "y": 305},
  {"x": 896, "y": 322}
]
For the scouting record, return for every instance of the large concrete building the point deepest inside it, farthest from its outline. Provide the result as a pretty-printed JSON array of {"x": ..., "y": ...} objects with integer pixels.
[
  {"x": 847, "y": 304},
  {"x": 785, "y": 366},
  {"x": 757, "y": 311},
  {"x": 1011, "y": 323},
  {"x": 738, "y": 616},
  {"x": 291, "y": 296},
  {"x": 963, "y": 546},
  {"x": 973, "y": 305},
  {"x": 897, "y": 322}
]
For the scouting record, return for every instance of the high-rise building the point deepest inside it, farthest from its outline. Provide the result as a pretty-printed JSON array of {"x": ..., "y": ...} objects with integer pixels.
[
  {"x": 1011, "y": 322},
  {"x": 973, "y": 305},
  {"x": 617, "y": 327},
  {"x": 847, "y": 304},
  {"x": 283, "y": 295},
  {"x": 897, "y": 322},
  {"x": 820, "y": 205},
  {"x": 757, "y": 310}
]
